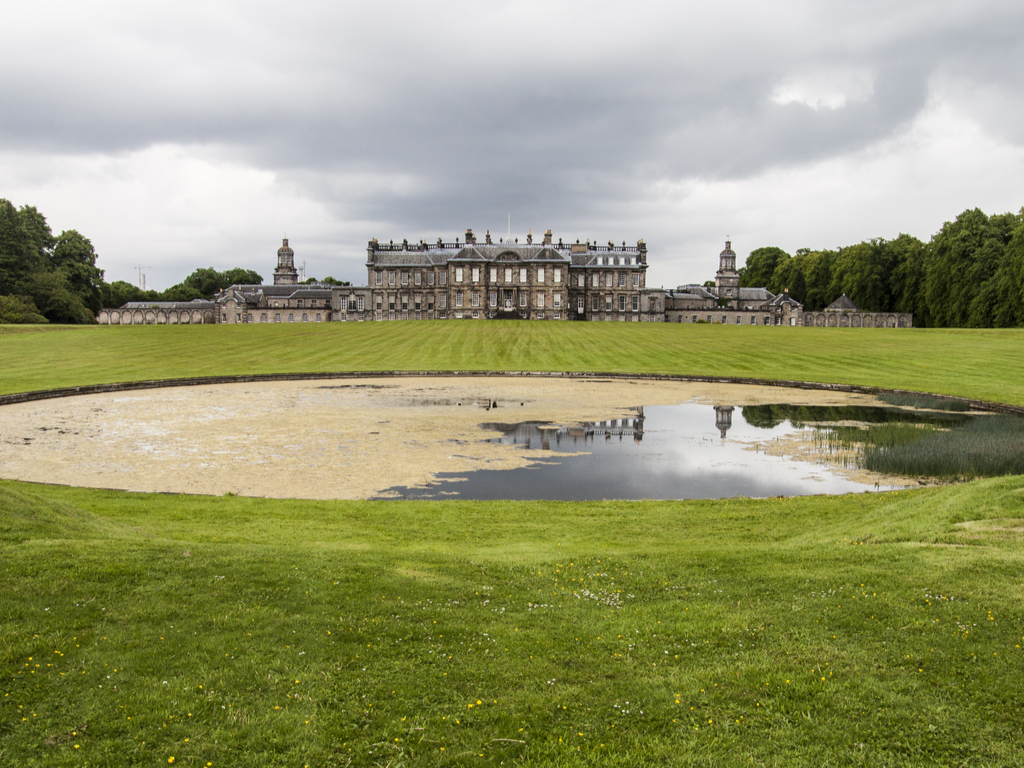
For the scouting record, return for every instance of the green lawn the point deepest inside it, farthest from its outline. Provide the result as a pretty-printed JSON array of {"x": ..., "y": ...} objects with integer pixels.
[
  {"x": 879, "y": 629},
  {"x": 868, "y": 630},
  {"x": 983, "y": 364}
]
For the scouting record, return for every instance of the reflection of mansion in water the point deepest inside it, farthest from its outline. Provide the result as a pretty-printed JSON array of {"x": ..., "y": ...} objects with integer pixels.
[
  {"x": 545, "y": 436},
  {"x": 505, "y": 280}
]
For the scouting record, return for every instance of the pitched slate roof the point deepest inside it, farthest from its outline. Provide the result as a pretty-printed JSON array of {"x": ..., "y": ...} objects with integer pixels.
[
  {"x": 843, "y": 303},
  {"x": 755, "y": 294}
]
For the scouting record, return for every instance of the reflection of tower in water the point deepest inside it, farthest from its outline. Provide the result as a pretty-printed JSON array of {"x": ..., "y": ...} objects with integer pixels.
[{"x": 723, "y": 418}]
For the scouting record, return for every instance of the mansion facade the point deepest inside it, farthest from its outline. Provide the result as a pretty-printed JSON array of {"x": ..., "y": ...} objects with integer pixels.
[{"x": 505, "y": 280}]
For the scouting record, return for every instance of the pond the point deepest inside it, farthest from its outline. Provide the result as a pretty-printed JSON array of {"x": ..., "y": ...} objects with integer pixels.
[
  {"x": 485, "y": 438},
  {"x": 686, "y": 451}
]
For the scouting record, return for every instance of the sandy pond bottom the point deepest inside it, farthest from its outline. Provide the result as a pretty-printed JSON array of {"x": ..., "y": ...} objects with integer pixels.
[{"x": 352, "y": 439}]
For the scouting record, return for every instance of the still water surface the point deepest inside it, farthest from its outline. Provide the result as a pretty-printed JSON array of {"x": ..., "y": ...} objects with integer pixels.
[{"x": 687, "y": 451}]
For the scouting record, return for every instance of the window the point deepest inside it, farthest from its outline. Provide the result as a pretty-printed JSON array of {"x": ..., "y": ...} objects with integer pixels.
[
  {"x": 442, "y": 301},
  {"x": 391, "y": 303},
  {"x": 595, "y": 305},
  {"x": 636, "y": 303},
  {"x": 350, "y": 305},
  {"x": 417, "y": 301},
  {"x": 557, "y": 301},
  {"x": 738, "y": 319},
  {"x": 622, "y": 279},
  {"x": 522, "y": 274},
  {"x": 263, "y": 317},
  {"x": 458, "y": 298},
  {"x": 595, "y": 280},
  {"x": 540, "y": 274},
  {"x": 508, "y": 274},
  {"x": 391, "y": 279},
  {"x": 442, "y": 278},
  {"x": 540, "y": 301},
  {"x": 305, "y": 317},
  {"x": 581, "y": 281},
  {"x": 476, "y": 274},
  {"x": 299, "y": 303},
  {"x": 249, "y": 318},
  {"x": 405, "y": 304},
  {"x": 608, "y": 278},
  {"x": 405, "y": 278},
  {"x": 430, "y": 278},
  {"x": 581, "y": 304},
  {"x": 379, "y": 302},
  {"x": 291, "y": 317},
  {"x": 725, "y": 319},
  {"x": 522, "y": 299},
  {"x": 557, "y": 275},
  {"x": 277, "y": 317},
  {"x": 476, "y": 315},
  {"x": 418, "y": 278},
  {"x": 494, "y": 274},
  {"x": 607, "y": 303},
  {"x": 405, "y": 315},
  {"x": 493, "y": 299},
  {"x": 475, "y": 299},
  {"x": 458, "y": 274},
  {"x": 378, "y": 278},
  {"x": 622, "y": 303},
  {"x": 636, "y": 279},
  {"x": 223, "y": 317},
  {"x": 318, "y": 318}
]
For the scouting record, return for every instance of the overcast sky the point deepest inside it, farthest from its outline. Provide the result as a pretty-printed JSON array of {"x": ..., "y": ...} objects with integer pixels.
[{"x": 188, "y": 134}]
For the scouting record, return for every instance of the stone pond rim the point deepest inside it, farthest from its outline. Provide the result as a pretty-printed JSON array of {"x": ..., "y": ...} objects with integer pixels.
[{"x": 128, "y": 386}]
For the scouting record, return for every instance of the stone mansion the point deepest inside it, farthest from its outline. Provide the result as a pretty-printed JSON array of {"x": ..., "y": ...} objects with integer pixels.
[{"x": 471, "y": 280}]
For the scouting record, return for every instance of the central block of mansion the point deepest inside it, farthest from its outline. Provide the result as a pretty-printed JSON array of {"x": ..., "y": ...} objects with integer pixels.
[{"x": 504, "y": 280}]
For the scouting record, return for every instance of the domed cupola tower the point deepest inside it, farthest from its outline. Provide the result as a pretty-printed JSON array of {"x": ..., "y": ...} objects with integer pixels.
[
  {"x": 285, "y": 274},
  {"x": 727, "y": 279}
]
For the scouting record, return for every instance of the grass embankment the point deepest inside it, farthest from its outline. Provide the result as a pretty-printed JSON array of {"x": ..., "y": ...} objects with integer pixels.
[
  {"x": 875, "y": 630},
  {"x": 869, "y": 630},
  {"x": 982, "y": 364}
]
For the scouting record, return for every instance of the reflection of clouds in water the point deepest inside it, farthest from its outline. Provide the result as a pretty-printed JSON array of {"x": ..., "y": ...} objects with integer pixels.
[{"x": 667, "y": 452}]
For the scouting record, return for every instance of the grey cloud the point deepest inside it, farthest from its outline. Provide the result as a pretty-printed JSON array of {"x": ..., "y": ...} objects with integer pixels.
[{"x": 563, "y": 113}]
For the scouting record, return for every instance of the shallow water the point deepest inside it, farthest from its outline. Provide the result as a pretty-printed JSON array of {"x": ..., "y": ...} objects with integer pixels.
[{"x": 687, "y": 451}]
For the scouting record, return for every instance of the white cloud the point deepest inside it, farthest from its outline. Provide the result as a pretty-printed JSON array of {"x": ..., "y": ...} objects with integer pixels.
[{"x": 826, "y": 90}]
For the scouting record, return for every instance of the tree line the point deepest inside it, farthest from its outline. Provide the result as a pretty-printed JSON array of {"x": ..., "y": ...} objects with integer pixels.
[
  {"x": 54, "y": 279},
  {"x": 970, "y": 274}
]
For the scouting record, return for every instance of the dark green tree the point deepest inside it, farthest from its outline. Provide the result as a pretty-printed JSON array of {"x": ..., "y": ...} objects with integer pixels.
[
  {"x": 760, "y": 266},
  {"x": 40, "y": 236},
  {"x": 119, "y": 293},
  {"x": 19, "y": 309},
  {"x": 17, "y": 252},
  {"x": 74, "y": 257},
  {"x": 56, "y": 300},
  {"x": 239, "y": 276}
]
